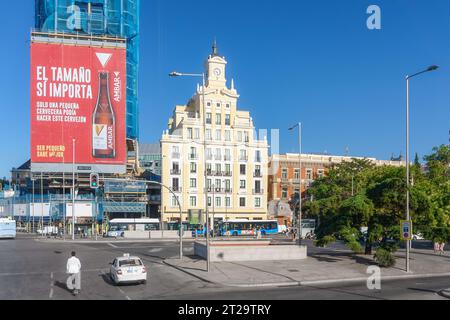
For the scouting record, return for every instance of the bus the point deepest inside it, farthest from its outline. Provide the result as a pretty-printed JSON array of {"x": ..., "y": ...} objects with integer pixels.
[
  {"x": 8, "y": 229},
  {"x": 247, "y": 227},
  {"x": 196, "y": 229},
  {"x": 117, "y": 227}
]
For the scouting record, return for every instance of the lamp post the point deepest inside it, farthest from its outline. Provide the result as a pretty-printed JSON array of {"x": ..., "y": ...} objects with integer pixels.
[
  {"x": 299, "y": 126},
  {"x": 202, "y": 75},
  {"x": 32, "y": 181},
  {"x": 408, "y": 216},
  {"x": 73, "y": 189}
]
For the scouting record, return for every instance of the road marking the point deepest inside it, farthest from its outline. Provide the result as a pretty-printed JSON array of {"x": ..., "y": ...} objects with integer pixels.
[
  {"x": 155, "y": 250},
  {"x": 128, "y": 298},
  {"x": 52, "y": 283},
  {"x": 111, "y": 245}
]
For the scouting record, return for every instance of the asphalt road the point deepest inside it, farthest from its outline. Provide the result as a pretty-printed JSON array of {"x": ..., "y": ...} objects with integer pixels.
[{"x": 31, "y": 270}]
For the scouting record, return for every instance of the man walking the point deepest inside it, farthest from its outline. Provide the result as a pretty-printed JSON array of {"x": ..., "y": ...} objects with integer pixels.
[{"x": 74, "y": 270}]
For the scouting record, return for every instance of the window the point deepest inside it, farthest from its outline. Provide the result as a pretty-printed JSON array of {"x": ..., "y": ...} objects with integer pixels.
[
  {"x": 193, "y": 183},
  {"x": 218, "y": 202},
  {"x": 218, "y": 135},
  {"x": 227, "y": 155},
  {"x": 218, "y": 105},
  {"x": 309, "y": 174},
  {"x": 297, "y": 174},
  {"x": 228, "y": 202},
  {"x": 242, "y": 184},
  {"x": 193, "y": 153},
  {"x": 193, "y": 201},
  {"x": 243, "y": 169},
  {"x": 320, "y": 173},
  {"x": 284, "y": 174},
  {"x": 197, "y": 133},
  {"x": 208, "y": 168},
  {"x": 209, "y": 202},
  {"x": 228, "y": 106},
  {"x": 257, "y": 202},
  {"x": 190, "y": 133},
  {"x": 297, "y": 191},
  {"x": 228, "y": 168},
  {"x": 258, "y": 156},
  {"x": 218, "y": 119},
  {"x": 246, "y": 137},
  {"x": 227, "y": 185},
  {"x": 193, "y": 167},
  {"x": 174, "y": 202},
  {"x": 242, "y": 202},
  {"x": 227, "y": 119},
  {"x": 258, "y": 171},
  {"x": 209, "y": 183},
  {"x": 239, "y": 136},
  {"x": 218, "y": 154},
  {"x": 227, "y": 135},
  {"x": 243, "y": 155},
  {"x": 209, "y": 154},
  {"x": 209, "y": 104},
  {"x": 258, "y": 187},
  {"x": 208, "y": 134},
  {"x": 176, "y": 152},
  {"x": 209, "y": 118},
  {"x": 218, "y": 168},
  {"x": 175, "y": 184},
  {"x": 284, "y": 193}
]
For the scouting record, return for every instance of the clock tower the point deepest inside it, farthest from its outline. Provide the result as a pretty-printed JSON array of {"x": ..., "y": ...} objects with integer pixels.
[{"x": 215, "y": 69}]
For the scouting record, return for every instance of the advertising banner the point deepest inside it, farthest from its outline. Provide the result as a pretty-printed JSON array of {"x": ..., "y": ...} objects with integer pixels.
[{"x": 78, "y": 102}]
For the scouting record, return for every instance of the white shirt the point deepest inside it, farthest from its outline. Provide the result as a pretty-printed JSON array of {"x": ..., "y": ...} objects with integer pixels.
[{"x": 73, "y": 265}]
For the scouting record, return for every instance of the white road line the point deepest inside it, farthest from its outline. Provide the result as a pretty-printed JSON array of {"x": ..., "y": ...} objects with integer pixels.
[
  {"x": 51, "y": 286},
  {"x": 128, "y": 298},
  {"x": 111, "y": 245}
]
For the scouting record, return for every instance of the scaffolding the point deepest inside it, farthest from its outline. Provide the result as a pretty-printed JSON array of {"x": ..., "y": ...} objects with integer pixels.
[{"x": 114, "y": 18}]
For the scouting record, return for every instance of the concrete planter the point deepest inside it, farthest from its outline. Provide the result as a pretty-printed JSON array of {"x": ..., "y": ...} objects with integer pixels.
[{"x": 249, "y": 251}]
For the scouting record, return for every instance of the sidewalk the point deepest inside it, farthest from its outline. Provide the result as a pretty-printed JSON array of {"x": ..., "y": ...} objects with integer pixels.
[{"x": 319, "y": 269}]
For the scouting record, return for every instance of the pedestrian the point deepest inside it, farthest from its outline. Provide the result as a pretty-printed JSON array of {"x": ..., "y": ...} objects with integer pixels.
[
  {"x": 442, "y": 248},
  {"x": 74, "y": 270},
  {"x": 436, "y": 247}
]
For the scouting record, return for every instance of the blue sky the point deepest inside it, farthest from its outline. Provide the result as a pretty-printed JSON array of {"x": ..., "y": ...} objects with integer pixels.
[{"x": 309, "y": 61}]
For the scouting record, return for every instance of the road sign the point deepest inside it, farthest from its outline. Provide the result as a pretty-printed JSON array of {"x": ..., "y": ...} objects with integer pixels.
[{"x": 406, "y": 230}]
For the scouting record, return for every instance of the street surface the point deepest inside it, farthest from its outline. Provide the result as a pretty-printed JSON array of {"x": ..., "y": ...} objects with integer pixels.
[{"x": 33, "y": 270}]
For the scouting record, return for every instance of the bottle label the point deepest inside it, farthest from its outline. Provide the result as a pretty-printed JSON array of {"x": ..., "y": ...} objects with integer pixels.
[{"x": 100, "y": 135}]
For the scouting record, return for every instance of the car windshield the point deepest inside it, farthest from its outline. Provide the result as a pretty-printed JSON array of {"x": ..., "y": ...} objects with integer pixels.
[{"x": 130, "y": 263}]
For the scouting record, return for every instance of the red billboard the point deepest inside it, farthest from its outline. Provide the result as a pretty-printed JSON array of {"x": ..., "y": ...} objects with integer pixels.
[{"x": 78, "y": 95}]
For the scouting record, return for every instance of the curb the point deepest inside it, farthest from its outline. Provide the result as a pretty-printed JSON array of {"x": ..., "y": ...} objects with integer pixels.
[{"x": 445, "y": 293}]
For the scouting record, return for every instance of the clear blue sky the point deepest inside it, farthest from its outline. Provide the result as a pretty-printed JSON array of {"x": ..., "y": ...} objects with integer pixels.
[{"x": 313, "y": 61}]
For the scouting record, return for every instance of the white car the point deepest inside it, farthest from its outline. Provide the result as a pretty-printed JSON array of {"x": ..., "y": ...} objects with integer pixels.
[{"x": 128, "y": 269}]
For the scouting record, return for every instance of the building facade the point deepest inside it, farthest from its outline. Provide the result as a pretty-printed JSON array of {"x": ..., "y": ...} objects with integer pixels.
[
  {"x": 210, "y": 137},
  {"x": 284, "y": 179},
  {"x": 150, "y": 158}
]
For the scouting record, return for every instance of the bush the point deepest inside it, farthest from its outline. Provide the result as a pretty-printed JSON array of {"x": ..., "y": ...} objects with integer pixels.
[{"x": 384, "y": 258}]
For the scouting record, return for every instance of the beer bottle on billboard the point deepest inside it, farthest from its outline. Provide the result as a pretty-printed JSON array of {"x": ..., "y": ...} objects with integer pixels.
[{"x": 104, "y": 131}]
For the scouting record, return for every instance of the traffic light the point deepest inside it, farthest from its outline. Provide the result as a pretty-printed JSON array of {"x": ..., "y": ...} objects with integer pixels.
[{"x": 94, "y": 180}]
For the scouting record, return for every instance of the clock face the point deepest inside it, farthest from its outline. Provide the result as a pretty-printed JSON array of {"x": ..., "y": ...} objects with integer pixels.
[{"x": 217, "y": 72}]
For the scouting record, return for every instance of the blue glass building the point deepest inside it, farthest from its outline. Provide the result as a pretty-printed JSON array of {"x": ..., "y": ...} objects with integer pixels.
[{"x": 112, "y": 18}]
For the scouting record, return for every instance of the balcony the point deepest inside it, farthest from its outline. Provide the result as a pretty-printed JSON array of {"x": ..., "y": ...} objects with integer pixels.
[
  {"x": 227, "y": 174},
  {"x": 228, "y": 122},
  {"x": 257, "y": 174},
  {"x": 193, "y": 157},
  {"x": 258, "y": 191},
  {"x": 243, "y": 158},
  {"x": 177, "y": 189},
  {"x": 218, "y": 173},
  {"x": 208, "y": 121},
  {"x": 175, "y": 172},
  {"x": 227, "y": 158}
]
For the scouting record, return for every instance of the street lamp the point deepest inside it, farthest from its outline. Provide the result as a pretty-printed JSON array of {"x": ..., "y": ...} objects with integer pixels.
[
  {"x": 408, "y": 216},
  {"x": 201, "y": 75},
  {"x": 299, "y": 126}
]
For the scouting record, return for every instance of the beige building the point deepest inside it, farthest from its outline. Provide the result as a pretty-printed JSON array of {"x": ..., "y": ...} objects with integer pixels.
[{"x": 214, "y": 132}]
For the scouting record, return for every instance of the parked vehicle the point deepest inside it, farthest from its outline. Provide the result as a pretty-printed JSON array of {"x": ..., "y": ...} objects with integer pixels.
[{"x": 8, "y": 229}]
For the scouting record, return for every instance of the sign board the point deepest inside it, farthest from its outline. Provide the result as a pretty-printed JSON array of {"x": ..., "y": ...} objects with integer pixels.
[
  {"x": 78, "y": 96},
  {"x": 406, "y": 230}
]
